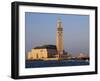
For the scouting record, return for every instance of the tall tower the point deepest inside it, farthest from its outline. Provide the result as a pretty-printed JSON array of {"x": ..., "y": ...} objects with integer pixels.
[{"x": 59, "y": 38}]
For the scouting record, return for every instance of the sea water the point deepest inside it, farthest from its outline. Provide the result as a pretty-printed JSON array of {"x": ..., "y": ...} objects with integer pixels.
[{"x": 55, "y": 63}]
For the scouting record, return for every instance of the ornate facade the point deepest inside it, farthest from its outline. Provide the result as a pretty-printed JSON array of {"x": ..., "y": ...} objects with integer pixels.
[
  {"x": 59, "y": 39},
  {"x": 42, "y": 52}
]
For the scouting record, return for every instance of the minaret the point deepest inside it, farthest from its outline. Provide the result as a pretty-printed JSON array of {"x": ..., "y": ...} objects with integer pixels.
[{"x": 59, "y": 38}]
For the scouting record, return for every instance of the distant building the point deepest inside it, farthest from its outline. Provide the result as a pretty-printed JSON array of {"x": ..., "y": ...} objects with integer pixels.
[{"x": 82, "y": 56}]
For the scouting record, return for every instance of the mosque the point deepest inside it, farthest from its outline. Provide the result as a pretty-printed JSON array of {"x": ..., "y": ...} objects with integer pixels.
[{"x": 50, "y": 52}]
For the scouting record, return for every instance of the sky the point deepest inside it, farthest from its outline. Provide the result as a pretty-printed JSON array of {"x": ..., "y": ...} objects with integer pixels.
[{"x": 40, "y": 29}]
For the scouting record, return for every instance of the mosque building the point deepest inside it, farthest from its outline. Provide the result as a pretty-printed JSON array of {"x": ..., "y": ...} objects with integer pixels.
[{"x": 50, "y": 52}]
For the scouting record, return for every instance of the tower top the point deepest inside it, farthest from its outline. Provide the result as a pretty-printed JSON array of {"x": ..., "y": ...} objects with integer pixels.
[
  {"x": 59, "y": 19},
  {"x": 59, "y": 23}
]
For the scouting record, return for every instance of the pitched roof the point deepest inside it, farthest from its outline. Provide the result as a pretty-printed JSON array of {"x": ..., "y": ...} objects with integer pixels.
[{"x": 46, "y": 46}]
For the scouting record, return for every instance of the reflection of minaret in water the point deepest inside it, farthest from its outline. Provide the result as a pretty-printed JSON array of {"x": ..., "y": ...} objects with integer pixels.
[{"x": 59, "y": 38}]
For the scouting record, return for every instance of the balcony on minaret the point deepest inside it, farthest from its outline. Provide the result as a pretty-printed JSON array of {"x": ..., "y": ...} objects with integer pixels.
[{"x": 60, "y": 29}]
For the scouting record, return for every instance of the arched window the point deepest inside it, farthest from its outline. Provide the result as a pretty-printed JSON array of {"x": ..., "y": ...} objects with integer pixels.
[{"x": 37, "y": 55}]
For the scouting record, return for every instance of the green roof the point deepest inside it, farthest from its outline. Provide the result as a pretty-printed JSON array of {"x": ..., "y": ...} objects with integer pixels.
[{"x": 46, "y": 46}]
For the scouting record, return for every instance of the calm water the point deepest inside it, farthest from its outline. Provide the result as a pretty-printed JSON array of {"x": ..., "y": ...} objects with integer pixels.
[{"x": 35, "y": 64}]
